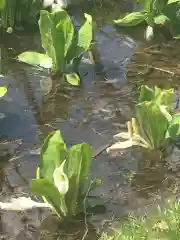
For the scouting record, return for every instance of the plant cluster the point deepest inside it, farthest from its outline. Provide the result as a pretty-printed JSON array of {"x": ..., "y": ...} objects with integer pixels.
[
  {"x": 164, "y": 13},
  {"x": 62, "y": 176},
  {"x": 64, "y": 45},
  {"x": 155, "y": 125},
  {"x": 61, "y": 179}
]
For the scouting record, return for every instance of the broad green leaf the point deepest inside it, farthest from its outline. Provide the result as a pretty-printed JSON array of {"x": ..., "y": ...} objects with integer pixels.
[
  {"x": 73, "y": 79},
  {"x": 146, "y": 94},
  {"x": 153, "y": 123},
  {"x": 164, "y": 97},
  {"x": 82, "y": 40},
  {"x": 43, "y": 187},
  {"x": 3, "y": 91},
  {"x": 60, "y": 179},
  {"x": 158, "y": 95},
  {"x": 57, "y": 32},
  {"x": 132, "y": 19},
  {"x": 38, "y": 176},
  {"x": 174, "y": 127},
  {"x": 2, "y": 4},
  {"x": 36, "y": 59},
  {"x": 161, "y": 19},
  {"x": 53, "y": 153},
  {"x": 76, "y": 168},
  {"x": 147, "y": 4},
  {"x": 173, "y": 1},
  {"x": 158, "y": 5}
]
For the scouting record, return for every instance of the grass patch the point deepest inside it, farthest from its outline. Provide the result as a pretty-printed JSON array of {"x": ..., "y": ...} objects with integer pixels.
[{"x": 164, "y": 224}]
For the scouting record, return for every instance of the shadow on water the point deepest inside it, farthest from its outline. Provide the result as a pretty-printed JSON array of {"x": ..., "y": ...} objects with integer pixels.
[{"x": 92, "y": 112}]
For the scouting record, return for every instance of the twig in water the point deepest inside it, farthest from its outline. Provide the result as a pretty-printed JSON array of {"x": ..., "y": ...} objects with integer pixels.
[{"x": 158, "y": 69}]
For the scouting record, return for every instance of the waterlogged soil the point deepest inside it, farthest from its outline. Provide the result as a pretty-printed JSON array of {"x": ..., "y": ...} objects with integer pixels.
[{"x": 92, "y": 112}]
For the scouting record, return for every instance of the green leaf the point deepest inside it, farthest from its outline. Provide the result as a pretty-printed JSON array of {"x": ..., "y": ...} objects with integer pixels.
[
  {"x": 132, "y": 19},
  {"x": 36, "y": 59},
  {"x": 173, "y": 1},
  {"x": 146, "y": 94},
  {"x": 158, "y": 5},
  {"x": 153, "y": 122},
  {"x": 2, "y": 4},
  {"x": 158, "y": 95},
  {"x": 43, "y": 187},
  {"x": 174, "y": 127},
  {"x": 148, "y": 5},
  {"x": 82, "y": 40},
  {"x": 60, "y": 179},
  {"x": 73, "y": 79},
  {"x": 161, "y": 19},
  {"x": 53, "y": 153},
  {"x": 57, "y": 32},
  {"x": 164, "y": 97},
  {"x": 76, "y": 168},
  {"x": 3, "y": 91}
]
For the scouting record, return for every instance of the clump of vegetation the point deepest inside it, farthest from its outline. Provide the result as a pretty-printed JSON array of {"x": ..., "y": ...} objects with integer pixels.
[
  {"x": 62, "y": 175},
  {"x": 64, "y": 45},
  {"x": 155, "y": 126},
  {"x": 61, "y": 180},
  {"x": 164, "y": 13},
  {"x": 163, "y": 224}
]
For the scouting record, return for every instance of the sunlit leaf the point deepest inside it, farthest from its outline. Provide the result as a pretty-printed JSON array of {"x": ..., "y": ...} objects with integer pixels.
[
  {"x": 3, "y": 91},
  {"x": 153, "y": 123},
  {"x": 158, "y": 95},
  {"x": 76, "y": 168},
  {"x": 43, "y": 187},
  {"x": 161, "y": 19},
  {"x": 174, "y": 128},
  {"x": 164, "y": 96},
  {"x": 2, "y": 4},
  {"x": 73, "y": 79},
  {"x": 53, "y": 153},
  {"x": 172, "y": 1},
  {"x": 36, "y": 59},
  {"x": 146, "y": 94},
  {"x": 57, "y": 33},
  {"x": 60, "y": 179},
  {"x": 82, "y": 40},
  {"x": 132, "y": 19}
]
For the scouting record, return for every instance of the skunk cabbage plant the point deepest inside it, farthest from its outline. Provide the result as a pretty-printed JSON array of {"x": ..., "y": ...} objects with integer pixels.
[
  {"x": 62, "y": 175},
  {"x": 64, "y": 45},
  {"x": 155, "y": 125},
  {"x": 61, "y": 179}
]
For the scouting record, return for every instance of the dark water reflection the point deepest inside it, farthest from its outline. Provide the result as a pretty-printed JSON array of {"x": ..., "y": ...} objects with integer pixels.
[{"x": 92, "y": 112}]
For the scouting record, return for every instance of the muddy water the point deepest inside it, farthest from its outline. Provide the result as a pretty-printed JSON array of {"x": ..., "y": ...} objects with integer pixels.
[{"x": 92, "y": 112}]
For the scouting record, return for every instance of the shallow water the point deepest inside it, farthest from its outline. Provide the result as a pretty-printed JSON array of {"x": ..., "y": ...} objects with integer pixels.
[{"x": 92, "y": 112}]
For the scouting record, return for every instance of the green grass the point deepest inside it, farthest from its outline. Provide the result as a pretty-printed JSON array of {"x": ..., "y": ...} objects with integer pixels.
[{"x": 164, "y": 224}]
